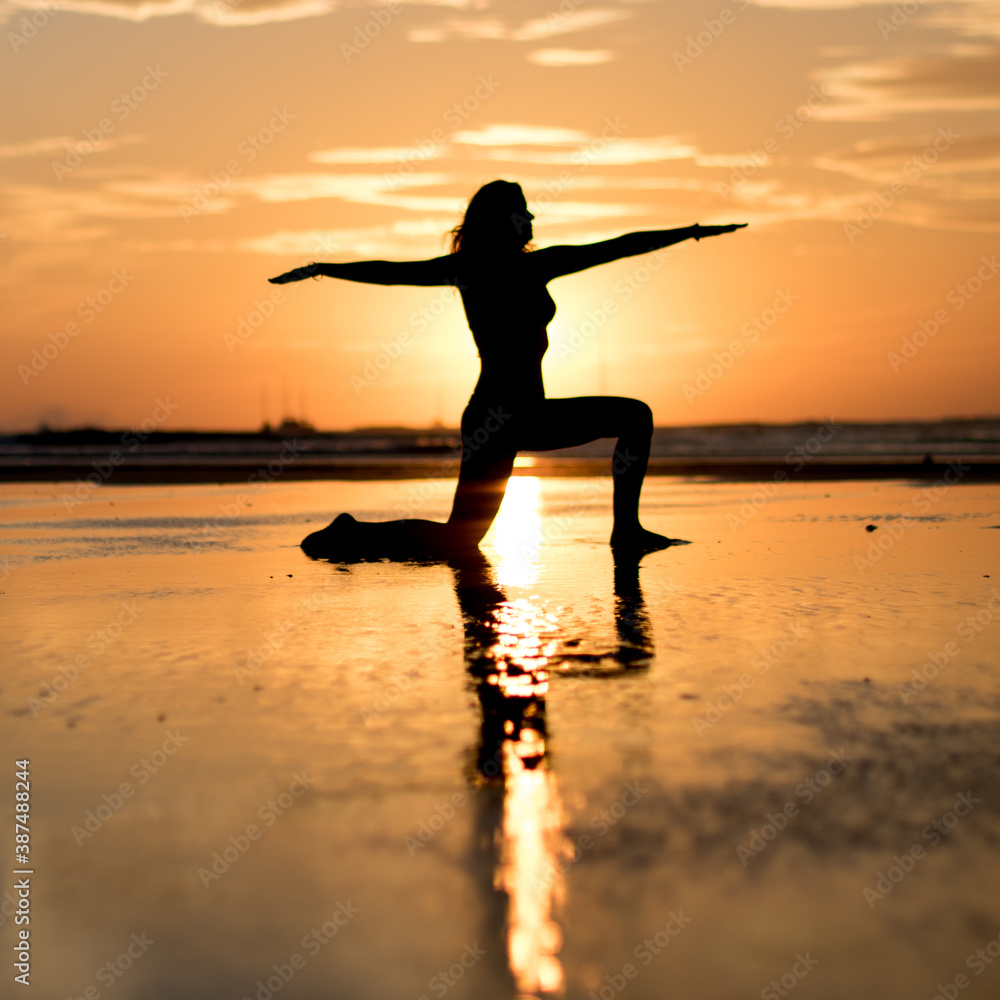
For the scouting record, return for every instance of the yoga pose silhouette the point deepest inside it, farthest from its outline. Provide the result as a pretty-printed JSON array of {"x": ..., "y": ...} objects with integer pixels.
[{"x": 503, "y": 288}]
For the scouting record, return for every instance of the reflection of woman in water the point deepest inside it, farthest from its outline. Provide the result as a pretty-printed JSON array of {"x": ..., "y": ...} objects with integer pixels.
[
  {"x": 508, "y": 308},
  {"x": 512, "y": 649}
]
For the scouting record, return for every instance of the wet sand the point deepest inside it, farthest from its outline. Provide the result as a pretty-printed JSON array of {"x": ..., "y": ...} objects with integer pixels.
[{"x": 762, "y": 762}]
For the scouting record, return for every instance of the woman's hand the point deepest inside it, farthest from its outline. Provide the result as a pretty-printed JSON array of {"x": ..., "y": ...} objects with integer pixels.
[
  {"x": 697, "y": 231},
  {"x": 297, "y": 274}
]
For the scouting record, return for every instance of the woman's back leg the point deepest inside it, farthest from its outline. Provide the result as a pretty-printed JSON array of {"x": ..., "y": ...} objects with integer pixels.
[{"x": 489, "y": 446}]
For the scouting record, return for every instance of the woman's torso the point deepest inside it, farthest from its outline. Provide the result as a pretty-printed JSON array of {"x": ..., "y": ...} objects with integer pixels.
[{"x": 508, "y": 308}]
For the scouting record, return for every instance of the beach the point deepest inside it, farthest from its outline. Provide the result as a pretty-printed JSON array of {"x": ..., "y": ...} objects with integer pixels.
[
  {"x": 269, "y": 264},
  {"x": 758, "y": 763}
]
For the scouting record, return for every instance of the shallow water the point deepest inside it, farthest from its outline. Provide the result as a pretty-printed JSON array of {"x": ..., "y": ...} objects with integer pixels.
[{"x": 531, "y": 774}]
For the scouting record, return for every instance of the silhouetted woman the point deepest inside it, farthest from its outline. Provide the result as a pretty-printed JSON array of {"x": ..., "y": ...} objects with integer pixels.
[{"x": 508, "y": 308}]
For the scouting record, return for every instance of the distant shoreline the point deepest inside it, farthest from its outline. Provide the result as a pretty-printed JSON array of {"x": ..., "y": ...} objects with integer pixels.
[
  {"x": 228, "y": 470},
  {"x": 290, "y": 429},
  {"x": 814, "y": 450}
]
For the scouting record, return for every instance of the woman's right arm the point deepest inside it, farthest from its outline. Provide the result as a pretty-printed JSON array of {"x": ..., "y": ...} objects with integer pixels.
[{"x": 436, "y": 271}]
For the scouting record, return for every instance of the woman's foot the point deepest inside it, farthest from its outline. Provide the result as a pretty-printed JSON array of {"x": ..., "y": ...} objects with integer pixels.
[
  {"x": 338, "y": 540},
  {"x": 349, "y": 539},
  {"x": 639, "y": 541}
]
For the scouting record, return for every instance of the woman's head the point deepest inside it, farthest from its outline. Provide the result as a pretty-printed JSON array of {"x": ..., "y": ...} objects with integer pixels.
[{"x": 496, "y": 221}]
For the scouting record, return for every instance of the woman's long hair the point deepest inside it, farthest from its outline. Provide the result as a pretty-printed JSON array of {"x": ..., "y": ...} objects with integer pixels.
[{"x": 495, "y": 222}]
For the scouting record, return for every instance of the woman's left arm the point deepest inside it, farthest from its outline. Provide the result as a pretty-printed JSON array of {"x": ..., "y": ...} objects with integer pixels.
[{"x": 557, "y": 261}]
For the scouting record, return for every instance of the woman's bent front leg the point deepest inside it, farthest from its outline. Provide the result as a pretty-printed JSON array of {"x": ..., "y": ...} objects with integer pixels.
[{"x": 565, "y": 423}]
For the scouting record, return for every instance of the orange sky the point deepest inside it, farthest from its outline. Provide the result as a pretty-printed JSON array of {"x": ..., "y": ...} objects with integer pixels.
[{"x": 160, "y": 160}]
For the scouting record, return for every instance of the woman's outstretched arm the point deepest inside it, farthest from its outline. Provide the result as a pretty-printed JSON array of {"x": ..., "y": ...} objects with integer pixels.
[
  {"x": 557, "y": 261},
  {"x": 436, "y": 271}
]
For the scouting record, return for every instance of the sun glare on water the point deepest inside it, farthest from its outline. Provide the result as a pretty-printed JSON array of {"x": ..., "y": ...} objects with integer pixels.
[
  {"x": 516, "y": 534},
  {"x": 525, "y": 638},
  {"x": 532, "y": 825},
  {"x": 532, "y": 813}
]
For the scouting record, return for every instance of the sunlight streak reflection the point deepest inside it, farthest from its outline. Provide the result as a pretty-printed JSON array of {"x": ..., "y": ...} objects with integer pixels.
[
  {"x": 532, "y": 809},
  {"x": 512, "y": 647},
  {"x": 517, "y": 532}
]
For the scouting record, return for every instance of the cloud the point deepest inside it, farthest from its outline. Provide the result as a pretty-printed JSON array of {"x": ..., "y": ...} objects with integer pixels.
[
  {"x": 36, "y": 147},
  {"x": 971, "y": 217},
  {"x": 937, "y": 199},
  {"x": 45, "y": 213},
  {"x": 363, "y": 189},
  {"x": 38, "y": 213},
  {"x": 559, "y": 23},
  {"x": 493, "y": 29},
  {"x": 405, "y": 238},
  {"x": 967, "y": 80},
  {"x": 971, "y": 19},
  {"x": 732, "y": 160},
  {"x": 818, "y": 4},
  {"x": 560, "y": 211},
  {"x": 913, "y": 158},
  {"x": 570, "y": 57},
  {"x": 615, "y": 152},
  {"x": 370, "y": 241},
  {"x": 630, "y": 183},
  {"x": 240, "y": 13},
  {"x": 222, "y": 13},
  {"x": 219, "y": 12},
  {"x": 520, "y": 135},
  {"x": 552, "y": 145},
  {"x": 848, "y": 4},
  {"x": 376, "y": 154},
  {"x": 459, "y": 29},
  {"x": 64, "y": 144},
  {"x": 555, "y": 145},
  {"x": 939, "y": 180}
]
